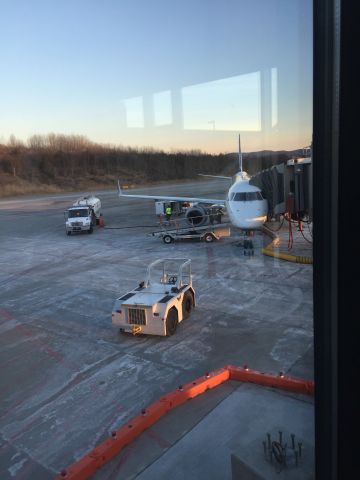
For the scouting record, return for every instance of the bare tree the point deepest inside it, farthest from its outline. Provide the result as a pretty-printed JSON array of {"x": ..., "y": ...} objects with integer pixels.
[{"x": 15, "y": 142}]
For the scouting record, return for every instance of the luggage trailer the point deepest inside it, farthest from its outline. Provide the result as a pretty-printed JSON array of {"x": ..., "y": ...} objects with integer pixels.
[{"x": 207, "y": 233}]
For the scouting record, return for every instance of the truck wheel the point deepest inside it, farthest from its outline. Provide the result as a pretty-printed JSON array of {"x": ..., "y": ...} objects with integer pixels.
[
  {"x": 187, "y": 304},
  {"x": 208, "y": 237},
  {"x": 171, "y": 322},
  {"x": 168, "y": 239}
]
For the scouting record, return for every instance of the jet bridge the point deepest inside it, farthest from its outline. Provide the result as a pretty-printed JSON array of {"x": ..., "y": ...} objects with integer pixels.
[{"x": 287, "y": 187}]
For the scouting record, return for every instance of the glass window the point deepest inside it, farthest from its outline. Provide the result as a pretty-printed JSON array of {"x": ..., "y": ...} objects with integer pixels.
[
  {"x": 132, "y": 101},
  {"x": 80, "y": 212},
  {"x": 240, "y": 197},
  {"x": 246, "y": 196}
]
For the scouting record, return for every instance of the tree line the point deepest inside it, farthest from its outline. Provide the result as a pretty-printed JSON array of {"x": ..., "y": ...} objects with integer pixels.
[{"x": 60, "y": 160}]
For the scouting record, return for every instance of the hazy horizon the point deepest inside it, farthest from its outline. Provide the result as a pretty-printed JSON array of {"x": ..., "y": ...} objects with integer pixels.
[
  {"x": 162, "y": 75},
  {"x": 14, "y": 141}
]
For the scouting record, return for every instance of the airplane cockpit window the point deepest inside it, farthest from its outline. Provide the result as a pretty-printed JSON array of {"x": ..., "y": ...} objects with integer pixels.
[
  {"x": 246, "y": 196},
  {"x": 240, "y": 197}
]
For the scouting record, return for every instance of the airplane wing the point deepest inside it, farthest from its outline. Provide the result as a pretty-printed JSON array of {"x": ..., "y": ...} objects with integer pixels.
[
  {"x": 173, "y": 198},
  {"x": 214, "y": 176}
]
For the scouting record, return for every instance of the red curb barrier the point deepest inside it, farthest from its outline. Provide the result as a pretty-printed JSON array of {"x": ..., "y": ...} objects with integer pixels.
[{"x": 104, "y": 452}]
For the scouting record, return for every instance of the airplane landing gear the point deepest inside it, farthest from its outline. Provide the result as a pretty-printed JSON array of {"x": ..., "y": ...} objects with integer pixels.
[
  {"x": 248, "y": 244},
  {"x": 248, "y": 247}
]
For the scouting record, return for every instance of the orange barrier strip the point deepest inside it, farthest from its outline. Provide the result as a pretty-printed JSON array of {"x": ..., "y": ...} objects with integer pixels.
[
  {"x": 296, "y": 385},
  {"x": 104, "y": 452},
  {"x": 92, "y": 461}
]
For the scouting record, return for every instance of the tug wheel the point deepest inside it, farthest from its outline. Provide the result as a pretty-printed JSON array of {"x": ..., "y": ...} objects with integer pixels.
[
  {"x": 171, "y": 322},
  {"x": 187, "y": 304}
]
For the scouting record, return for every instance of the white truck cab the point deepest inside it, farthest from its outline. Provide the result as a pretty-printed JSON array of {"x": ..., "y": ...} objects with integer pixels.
[
  {"x": 165, "y": 298},
  {"x": 83, "y": 215}
]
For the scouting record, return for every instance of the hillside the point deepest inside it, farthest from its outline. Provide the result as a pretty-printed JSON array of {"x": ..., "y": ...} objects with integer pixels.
[{"x": 56, "y": 163}]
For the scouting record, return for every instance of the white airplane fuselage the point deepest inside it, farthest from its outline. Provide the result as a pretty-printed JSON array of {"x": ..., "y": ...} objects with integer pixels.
[{"x": 246, "y": 207}]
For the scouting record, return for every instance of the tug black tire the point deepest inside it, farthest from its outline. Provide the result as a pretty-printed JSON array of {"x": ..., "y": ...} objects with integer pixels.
[
  {"x": 171, "y": 322},
  {"x": 187, "y": 304}
]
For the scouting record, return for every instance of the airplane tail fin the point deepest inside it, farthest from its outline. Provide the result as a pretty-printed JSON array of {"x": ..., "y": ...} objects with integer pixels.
[{"x": 240, "y": 156}]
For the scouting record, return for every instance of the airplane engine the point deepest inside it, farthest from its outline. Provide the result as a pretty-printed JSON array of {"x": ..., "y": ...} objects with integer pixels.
[{"x": 197, "y": 216}]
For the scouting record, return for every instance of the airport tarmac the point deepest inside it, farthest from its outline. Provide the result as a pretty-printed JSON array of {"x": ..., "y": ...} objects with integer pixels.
[{"x": 68, "y": 378}]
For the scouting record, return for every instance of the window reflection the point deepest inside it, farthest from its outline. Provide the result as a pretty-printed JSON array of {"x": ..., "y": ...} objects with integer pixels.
[
  {"x": 245, "y": 103},
  {"x": 134, "y": 112},
  {"x": 228, "y": 104},
  {"x": 162, "y": 108},
  {"x": 274, "y": 97}
]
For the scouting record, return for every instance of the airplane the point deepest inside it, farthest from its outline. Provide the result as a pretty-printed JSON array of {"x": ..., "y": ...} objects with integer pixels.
[{"x": 246, "y": 207}]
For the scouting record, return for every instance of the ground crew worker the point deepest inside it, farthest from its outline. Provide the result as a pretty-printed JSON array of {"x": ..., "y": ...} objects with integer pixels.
[{"x": 168, "y": 213}]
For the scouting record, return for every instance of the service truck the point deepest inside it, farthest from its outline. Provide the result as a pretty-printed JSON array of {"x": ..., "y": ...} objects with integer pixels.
[
  {"x": 83, "y": 215},
  {"x": 155, "y": 307}
]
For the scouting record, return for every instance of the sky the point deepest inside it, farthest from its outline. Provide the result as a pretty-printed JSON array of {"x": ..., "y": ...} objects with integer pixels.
[{"x": 167, "y": 74}]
